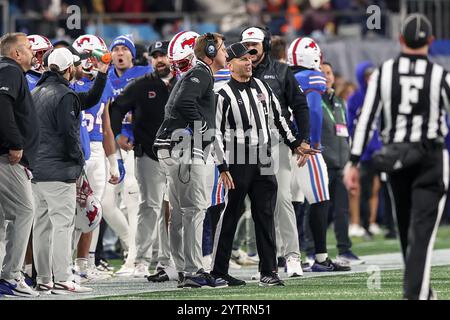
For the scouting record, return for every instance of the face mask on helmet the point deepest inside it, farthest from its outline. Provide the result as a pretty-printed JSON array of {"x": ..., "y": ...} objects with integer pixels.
[
  {"x": 85, "y": 44},
  {"x": 181, "y": 52},
  {"x": 306, "y": 53},
  {"x": 39, "y": 45}
]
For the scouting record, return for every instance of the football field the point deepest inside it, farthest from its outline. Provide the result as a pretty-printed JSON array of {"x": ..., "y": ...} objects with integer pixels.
[{"x": 379, "y": 278}]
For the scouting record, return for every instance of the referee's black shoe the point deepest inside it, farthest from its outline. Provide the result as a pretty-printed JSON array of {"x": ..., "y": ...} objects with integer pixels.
[
  {"x": 232, "y": 282},
  {"x": 160, "y": 276},
  {"x": 270, "y": 280},
  {"x": 329, "y": 266}
]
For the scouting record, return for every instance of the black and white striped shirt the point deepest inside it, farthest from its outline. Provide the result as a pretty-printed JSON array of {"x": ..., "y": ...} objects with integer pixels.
[
  {"x": 246, "y": 114},
  {"x": 410, "y": 95}
]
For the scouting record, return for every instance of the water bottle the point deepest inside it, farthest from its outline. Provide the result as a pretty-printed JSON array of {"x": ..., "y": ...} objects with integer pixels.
[{"x": 102, "y": 56}]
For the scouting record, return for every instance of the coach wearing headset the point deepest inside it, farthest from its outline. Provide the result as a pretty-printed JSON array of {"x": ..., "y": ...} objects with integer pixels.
[
  {"x": 187, "y": 130},
  {"x": 282, "y": 82}
]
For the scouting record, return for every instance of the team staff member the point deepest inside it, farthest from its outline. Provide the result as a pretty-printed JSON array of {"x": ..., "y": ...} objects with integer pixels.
[
  {"x": 58, "y": 165},
  {"x": 282, "y": 82},
  {"x": 409, "y": 93},
  {"x": 146, "y": 97},
  {"x": 244, "y": 106},
  {"x": 19, "y": 141},
  {"x": 191, "y": 108}
]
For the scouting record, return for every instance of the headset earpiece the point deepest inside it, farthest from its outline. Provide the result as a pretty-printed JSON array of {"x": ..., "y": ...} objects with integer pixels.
[{"x": 210, "y": 48}]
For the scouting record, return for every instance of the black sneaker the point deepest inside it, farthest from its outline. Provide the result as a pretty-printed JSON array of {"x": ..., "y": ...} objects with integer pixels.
[
  {"x": 160, "y": 276},
  {"x": 329, "y": 266},
  {"x": 181, "y": 278},
  {"x": 231, "y": 281},
  {"x": 270, "y": 280},
  {"x": 204, "y": 279}
]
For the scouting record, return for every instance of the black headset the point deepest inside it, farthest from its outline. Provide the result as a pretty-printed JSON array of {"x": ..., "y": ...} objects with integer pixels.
[
  {"x": 210, "y": 48},
  {"x": 267, "y": 42}
]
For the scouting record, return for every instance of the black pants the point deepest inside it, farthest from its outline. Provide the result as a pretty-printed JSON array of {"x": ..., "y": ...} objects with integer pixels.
[
  {"x": 419, "y": 194},
  {"x": 262, "y": 190},
  {"x": 339, "y": 208}
]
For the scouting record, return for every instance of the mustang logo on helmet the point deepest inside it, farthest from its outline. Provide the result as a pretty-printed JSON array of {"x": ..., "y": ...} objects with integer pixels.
[{"x": 188, "y": 42}]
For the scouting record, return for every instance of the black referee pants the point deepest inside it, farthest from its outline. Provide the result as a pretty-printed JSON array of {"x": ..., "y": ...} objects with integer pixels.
[
  {"x": 419, "y": 193},
  {"x": 262, "y": 190}
]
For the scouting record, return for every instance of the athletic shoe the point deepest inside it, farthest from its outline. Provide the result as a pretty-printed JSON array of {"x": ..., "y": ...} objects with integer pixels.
[
  {"x": 293, "y": 266},
  {"x": 390, "y": 235},
  {"x": 28, "y": 280},
  {"x": 374, "y": 229},
  {"x": 329, "y": 266},
  {"x": 256, "y": 276},
  {"x": 16, "y": 287},
  {"x": 242, "y": 258},
  {"x": 355, "y": 230},
  {"x": 231, "y": 281},
  {"x": 141, "y": 270},
  {"x": 270, "y": 280},
  {"x": 125, "y": 271},
  {"x": 102, "y": 265},
  {"x": 234, "y": 265},
  {"x": 306, "y": 267},
  {"x": 88, "y": 272},
  {"x": 160, "y": 276},
  {"x": 44, "y": 288},
  {"x": 69, "y": 287},
  {"x": 181, "y": 278},
  {"x": 203, "y": 279},
  {"x": 349, "y": 258}
]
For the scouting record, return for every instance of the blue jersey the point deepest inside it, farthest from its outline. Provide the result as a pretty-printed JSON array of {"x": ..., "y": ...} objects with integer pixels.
[
  {"x": 313, "y": 84},
  {"x": 115, "y": 85},
  {"x": 83, "y": 85},
  {"x": 32, "y": 78}
]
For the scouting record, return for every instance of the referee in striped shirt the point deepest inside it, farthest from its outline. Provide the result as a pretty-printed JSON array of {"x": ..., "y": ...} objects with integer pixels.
[
  {"x": 409, "y": 95},
  {"x": 246, "y": 107}
]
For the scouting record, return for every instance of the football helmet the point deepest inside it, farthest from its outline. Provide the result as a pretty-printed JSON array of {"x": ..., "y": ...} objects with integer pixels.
[
  {"x": 305, "y": 52},
  {"x": 84, "y": 45},
  {"x": 181, "y": 51},
  {"x": 39, "y": 45},
  {"x": 89, "y": 210}
]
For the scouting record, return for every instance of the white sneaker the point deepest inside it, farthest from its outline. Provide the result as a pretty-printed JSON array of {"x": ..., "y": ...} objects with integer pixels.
[
  {"x": 125, "y": 271},
  {"x": 233, "y": 265},
  {"x": 141, "y": 270},
  {"x": 256, "y": 276},
  {"x": 62, "y": 287},
  {"x": 375, "y": 229},
  {"x": 355, "y": 230},
  {"x": 16, "y": 287},
  {"x": 294, "y": 266},
  {"x": 44, "y": 288},
  {"x": 88, "y": 272}
]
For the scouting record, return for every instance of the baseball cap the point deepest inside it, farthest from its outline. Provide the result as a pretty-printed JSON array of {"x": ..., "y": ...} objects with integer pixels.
[
  {"x": 415, "y": 30},
  {"x": 63, "y": 58},
  {"x": 237, "y": 50},
  {"x": 158, "y": 46},
  {"x": 252, "y": 34}
]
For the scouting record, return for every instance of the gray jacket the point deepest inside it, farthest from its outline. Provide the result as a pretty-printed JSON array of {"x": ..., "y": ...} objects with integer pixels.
[{"x": 336, "y": 149}]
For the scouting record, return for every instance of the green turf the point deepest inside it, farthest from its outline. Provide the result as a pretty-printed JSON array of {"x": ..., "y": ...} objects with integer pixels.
[
  {"x": 344, "y": 287},
  {"x": 363, "y": 247}
]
